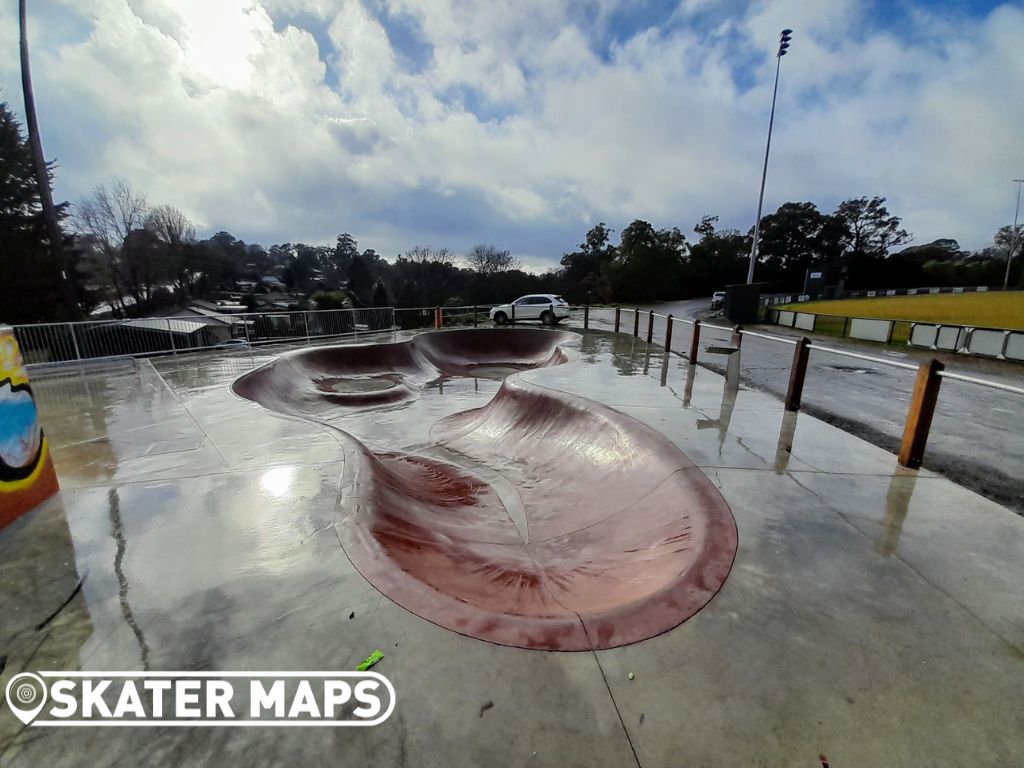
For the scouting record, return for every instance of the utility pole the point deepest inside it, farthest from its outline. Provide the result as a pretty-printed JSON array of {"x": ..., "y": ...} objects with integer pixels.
[
  {"x": 784, "y": 37},
  {"x": 53, "y": 232}
]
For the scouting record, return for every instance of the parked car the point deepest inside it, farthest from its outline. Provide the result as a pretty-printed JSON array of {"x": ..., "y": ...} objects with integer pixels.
[
  {"x": 718, "y": 299},
  {"x": 546, "y": 307}
]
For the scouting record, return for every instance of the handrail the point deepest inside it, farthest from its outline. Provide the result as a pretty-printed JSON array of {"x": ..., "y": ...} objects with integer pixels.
[
  {"x": 769, "y": 337},
  {"x": 981, "y": 382},
  {"x": 859, "y": 356}
]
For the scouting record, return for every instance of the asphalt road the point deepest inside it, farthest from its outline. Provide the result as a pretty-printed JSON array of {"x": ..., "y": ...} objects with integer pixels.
[{"x": 977, "y": 435}]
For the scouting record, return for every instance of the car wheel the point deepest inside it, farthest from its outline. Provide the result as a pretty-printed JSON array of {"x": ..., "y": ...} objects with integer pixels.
[
  {"x": 547, "y": 317},
  {"x": 500, "y": 318}
]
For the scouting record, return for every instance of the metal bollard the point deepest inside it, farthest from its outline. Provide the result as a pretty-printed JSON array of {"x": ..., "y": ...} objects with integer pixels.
[
  {"x": 919, "y": 417},
  {"x": 636, "y": 322},
  {"x": 618, "y": 315},
  {"x": 586, "y": 316}
]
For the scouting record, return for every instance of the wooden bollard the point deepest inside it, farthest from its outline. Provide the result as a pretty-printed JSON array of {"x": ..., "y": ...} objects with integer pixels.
[
  {"x": 668, "y": 334},
  {"x": 694, "y": 342},
  {"x": 919, "y": 417},
  {"x": 797, "y": 374},
  {"x": 618, "y": 315},
  {"x": 650, "y": 327}
]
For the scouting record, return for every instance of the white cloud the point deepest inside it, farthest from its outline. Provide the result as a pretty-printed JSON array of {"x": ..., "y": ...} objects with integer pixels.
[{"x": 520, "y": 123}]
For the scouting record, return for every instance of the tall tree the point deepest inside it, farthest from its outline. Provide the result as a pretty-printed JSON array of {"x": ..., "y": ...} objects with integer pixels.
[
  {"x": 360, "y": 280},
  {"x": 867, "y": 232},
  {"x": 649, "y": 263},
  {"x": 870, "y": 229},
  {"x": 718, "y": 259},
  {"x": 488, "y": 260},
  {"x": 790, "y": 241},
  {"x": 29, "y": 279},
  {"x": 106, "y": 218},
  {"x": 586, "y": 273},
  {"x": 177, "y": 234},
  {"x": 53, "y": 234}
]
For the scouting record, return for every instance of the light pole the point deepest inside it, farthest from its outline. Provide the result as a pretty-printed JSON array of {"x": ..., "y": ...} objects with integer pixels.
[
  {"x": 784, "y": 37},
  {"x": 1013, "y": 237}
]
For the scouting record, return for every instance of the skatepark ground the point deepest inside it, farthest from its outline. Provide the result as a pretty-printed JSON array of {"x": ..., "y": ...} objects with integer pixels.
[{"x": 872, "y": 615}]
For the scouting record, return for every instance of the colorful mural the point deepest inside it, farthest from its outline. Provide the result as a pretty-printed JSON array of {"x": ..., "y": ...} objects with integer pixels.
[{"x": 27, "y": 476}]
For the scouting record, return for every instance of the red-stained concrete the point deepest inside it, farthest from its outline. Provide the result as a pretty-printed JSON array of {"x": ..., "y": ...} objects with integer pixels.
[{"x": 609, "y": 535}]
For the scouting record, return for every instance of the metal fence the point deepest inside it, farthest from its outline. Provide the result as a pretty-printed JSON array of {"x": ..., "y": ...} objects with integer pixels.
[
  {"x": 68, "y": 342},
  {"x": 414, "y": 318}
]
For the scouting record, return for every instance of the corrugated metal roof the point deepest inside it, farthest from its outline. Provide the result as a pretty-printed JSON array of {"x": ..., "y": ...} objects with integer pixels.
[{"x": 174, "y": 324}]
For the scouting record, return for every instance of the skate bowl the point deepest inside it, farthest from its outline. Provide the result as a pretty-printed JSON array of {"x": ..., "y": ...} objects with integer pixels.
[
  {"x": 541, "y": 520},
  {"x": 311, "y": 382}
]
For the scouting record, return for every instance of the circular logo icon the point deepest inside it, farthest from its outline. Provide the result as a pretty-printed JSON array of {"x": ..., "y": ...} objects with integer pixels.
[{"x": 26, "y": 695}]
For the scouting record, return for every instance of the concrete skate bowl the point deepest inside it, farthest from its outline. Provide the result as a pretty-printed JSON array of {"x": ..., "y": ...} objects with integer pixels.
[
  {"x": 318, "y": 381},
  {"x": 541, "y": 520}
]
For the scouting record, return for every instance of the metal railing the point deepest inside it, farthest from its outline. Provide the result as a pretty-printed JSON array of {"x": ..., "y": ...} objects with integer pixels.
[
  {"x": 471, "y": 316},
  {"x": 69, "y": 342},
  {"x": 926, "y": 387},
  {"x": 61, "y": 342}
]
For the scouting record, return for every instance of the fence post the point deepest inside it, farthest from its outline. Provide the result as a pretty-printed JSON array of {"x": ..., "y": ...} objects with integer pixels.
[
  {"x": 586, "y": 317},
  {"x": 636, "y": 322},
  {"x": 170, "y": 335},
  {"x": 694, "y": 342},
  {"x": 305, "y": 322},
  {"x": 919, "y": 417},
  {"x": 650, "y": 327},
  {"x": 618, "y": 314},
  {"x": 474, "y": 315},
  {"x": 78, "y": 354},
  {"x": 668, "y": 333},
  {"x": 797, "y": 374}
]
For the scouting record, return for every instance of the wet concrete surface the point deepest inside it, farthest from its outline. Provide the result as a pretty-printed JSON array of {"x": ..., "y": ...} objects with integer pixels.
[
  {"x": 873, "y": 615},
  {"x": 541, "y": 519},
  {"x": 976, "y": 432}
]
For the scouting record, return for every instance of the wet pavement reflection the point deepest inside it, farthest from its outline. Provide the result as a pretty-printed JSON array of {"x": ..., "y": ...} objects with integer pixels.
[{"x": 871, "y": 612}]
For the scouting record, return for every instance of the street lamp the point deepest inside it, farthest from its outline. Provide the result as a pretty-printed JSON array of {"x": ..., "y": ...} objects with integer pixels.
[
  {"x": 1013, "y": 237},
  {"x": 784, "y": 37}
]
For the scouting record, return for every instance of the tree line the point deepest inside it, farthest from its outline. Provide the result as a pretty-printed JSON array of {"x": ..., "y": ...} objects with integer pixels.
[{"x": 125, "y": 257}]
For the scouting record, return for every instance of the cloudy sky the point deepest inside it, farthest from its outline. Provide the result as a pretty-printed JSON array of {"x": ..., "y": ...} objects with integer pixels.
[{"x": 451, "y": 122}]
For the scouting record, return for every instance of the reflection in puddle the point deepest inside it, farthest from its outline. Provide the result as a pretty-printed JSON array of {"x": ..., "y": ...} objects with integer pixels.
[{"x": 897, "y": 504}]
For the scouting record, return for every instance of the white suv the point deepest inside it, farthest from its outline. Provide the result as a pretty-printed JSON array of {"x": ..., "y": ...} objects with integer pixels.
[{"x": 546, "y": 307}]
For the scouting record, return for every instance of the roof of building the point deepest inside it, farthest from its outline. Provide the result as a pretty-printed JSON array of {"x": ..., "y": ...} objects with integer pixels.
[{"x": 175, "y": 324}]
